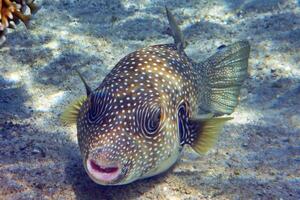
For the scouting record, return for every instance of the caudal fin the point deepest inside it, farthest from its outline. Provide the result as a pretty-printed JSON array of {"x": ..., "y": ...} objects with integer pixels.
[{"x": 221, "y": 77}]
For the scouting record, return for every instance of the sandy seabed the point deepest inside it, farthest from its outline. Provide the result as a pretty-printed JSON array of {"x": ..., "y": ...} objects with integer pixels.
[{"x": 258, "y": 153}]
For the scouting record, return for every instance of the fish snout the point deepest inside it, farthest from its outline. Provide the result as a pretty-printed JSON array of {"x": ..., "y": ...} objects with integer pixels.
[{"x": 103, "y": 169}]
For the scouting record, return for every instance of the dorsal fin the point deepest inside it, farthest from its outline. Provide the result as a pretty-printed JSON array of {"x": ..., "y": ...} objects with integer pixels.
[
  {"x": 176, "y": 32},
  {"x": 87, "y": 87},
  {"x": 70, "y": 114}
]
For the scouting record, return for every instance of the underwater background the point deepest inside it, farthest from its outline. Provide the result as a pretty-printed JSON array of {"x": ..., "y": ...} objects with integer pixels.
[{"x": 258, "y": 153}]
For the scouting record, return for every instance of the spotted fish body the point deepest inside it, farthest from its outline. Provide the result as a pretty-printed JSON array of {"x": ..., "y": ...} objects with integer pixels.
[
  {"x": 135, "y": 124},
  {"x": 146, "y": 82}
]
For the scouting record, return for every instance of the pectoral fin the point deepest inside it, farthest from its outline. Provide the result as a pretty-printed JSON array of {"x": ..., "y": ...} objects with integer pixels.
[
  {"x": 70, "y": 114},
  {"x": 205, "y": 132}
]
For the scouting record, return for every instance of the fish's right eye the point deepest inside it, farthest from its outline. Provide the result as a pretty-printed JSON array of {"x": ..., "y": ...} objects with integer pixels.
[
  {"x": 149, "y": 120},
  {"x": 97, "y": 107}
]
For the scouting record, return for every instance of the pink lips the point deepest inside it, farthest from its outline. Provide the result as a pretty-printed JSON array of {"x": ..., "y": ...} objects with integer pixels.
[{"x": 103, "y": 172}]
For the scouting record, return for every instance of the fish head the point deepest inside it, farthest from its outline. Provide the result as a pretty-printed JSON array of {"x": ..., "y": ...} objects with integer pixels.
[{"x": 121, "y": 138}]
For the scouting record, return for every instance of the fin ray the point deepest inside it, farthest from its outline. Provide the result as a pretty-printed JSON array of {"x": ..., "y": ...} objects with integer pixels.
[
  {"x": 176, "y": 32},
  {"x": 222, "y": 76},
  {"x": 206, "y": 132},
  {"x": 87, "y": 87},
  {"x": 70, "y": 114}
]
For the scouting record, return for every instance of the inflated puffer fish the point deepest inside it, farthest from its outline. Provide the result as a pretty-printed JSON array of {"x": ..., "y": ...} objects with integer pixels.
[{"x": 152, "y": 103}]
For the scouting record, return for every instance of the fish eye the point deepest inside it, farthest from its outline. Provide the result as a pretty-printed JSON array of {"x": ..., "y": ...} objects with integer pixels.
[
  {"x": 149, "y": 120},
  {"x": 182, "y": 121},
  {"x": 154, "y": 121}
]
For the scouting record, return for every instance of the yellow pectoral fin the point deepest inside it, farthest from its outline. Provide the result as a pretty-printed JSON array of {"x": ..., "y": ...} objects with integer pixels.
[
  {"x": 207, "y": 133},
  {"x": 70, "y": 114}
]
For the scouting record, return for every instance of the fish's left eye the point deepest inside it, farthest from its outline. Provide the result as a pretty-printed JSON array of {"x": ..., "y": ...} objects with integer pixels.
[{"x": 153, "y": 122}]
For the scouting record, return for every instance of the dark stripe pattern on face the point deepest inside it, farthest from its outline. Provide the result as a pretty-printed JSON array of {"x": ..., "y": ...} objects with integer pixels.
[
  {"x": 148, "y": 119},
  {"x": 98, "y": 107},
  {"x": 183, "y": 123}
]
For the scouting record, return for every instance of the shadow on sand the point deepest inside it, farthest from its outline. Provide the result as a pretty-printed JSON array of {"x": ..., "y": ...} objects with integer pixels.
[{"x": 51, "y": 163}]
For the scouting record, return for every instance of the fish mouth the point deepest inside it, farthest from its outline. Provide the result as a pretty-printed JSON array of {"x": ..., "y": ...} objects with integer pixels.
[{"x": 104, "y": 173}]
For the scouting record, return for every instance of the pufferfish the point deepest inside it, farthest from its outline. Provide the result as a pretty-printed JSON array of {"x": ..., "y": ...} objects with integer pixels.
[{"x": 155, "y": 101}]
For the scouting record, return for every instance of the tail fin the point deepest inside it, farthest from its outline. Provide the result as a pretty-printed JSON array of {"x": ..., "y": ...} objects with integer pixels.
[{"x": 221, "y": 77}]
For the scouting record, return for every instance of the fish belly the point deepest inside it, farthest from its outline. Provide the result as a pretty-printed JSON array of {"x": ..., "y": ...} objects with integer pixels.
[{"x": 166, "y": 164}]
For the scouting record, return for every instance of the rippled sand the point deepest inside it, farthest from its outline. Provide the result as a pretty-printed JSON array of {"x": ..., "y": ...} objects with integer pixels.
[{"x": 258, "y": 153}]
